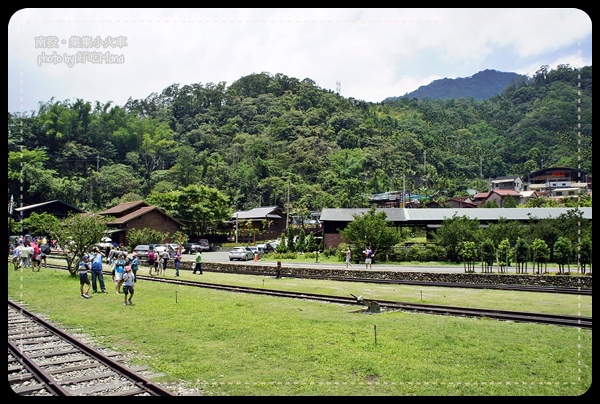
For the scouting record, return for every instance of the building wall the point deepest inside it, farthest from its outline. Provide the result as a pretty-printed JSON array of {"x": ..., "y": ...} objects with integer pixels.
[{"x": 152, "y": 220}]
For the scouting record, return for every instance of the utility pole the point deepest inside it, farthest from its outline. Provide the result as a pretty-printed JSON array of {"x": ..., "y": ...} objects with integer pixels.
[
  {"x": 287, "y": 208},
  {"x": 403, "y": 192},
  {"x": 481, "y": 166},
  {"x": 236, "y": 227}
]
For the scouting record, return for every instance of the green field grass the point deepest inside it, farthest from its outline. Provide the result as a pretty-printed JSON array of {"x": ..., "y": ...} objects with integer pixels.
[{"x": 234, "y": 344}]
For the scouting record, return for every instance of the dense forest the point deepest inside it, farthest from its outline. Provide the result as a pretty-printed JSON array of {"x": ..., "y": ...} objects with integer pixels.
[{"x": 275, "y": 140}]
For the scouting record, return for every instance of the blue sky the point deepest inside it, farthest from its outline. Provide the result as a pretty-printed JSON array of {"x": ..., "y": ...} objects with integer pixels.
[{"x": 368, "y": 54}]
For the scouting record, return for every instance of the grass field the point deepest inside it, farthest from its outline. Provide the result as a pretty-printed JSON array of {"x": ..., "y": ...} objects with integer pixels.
[{"x": 233, "y": 344}]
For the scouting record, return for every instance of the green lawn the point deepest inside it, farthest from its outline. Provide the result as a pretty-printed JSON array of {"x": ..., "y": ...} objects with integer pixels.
[{"x": 237, "y": 344}]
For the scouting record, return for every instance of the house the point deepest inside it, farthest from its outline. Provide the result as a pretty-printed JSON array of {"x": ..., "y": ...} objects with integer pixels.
[
  {"x": 138, "y": 215},
  {"x": 509, "y": 182},
  {"x": 263, "y": 223},
  {"x": 461, "y": 202},
  {"x": 390, "y": 199},
  {"x": 480, "y": 197},
  {"x": 527, "y": 195},
  {"x": 499, "y": 196},
  {"x": 551, "y": 178}
]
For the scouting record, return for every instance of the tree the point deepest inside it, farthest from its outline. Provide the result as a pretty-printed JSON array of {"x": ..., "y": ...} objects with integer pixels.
[
  {"x": 311, "y": 242},
  {"x": 562, "y": 253},
  {"x": 453, "y": 232},
  {"x": 36, "y": 223},
  {"x": 541, "y": 255},
  {"x": 77, "y": 234},
  {"x": 199, "y": 207},
  {"x": 468, "y": 252},
  {"x": 149, "y": 236},
  {"x": 488, "y": 254},
  {"x": 371, "y": 229},
  {"x": 290, "y": 245},
  {"x": 504, "y": 255},
  {"x": 301, "y": 243},
  {"x": 585, "y": 253},
  {"x": 521, "y": 253}
]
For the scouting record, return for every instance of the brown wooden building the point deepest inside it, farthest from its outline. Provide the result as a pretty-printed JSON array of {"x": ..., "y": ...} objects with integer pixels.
[{"x": 138, "y": 215}]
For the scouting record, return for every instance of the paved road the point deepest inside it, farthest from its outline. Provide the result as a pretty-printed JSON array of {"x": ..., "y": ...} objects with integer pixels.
[{"x": 222, "y": 257}]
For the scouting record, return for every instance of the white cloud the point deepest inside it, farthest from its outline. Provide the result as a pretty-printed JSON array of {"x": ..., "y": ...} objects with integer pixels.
[{"x": 373, "y": 53}]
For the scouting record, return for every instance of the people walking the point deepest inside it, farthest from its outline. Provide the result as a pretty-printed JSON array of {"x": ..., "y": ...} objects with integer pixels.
[
  {"x": 84, "y": 280},
  {"x": 164, "y": 258},
  {"x": 177, "y": 262},
  {"x": 348, "y": 254},
  {"x": 152, "y": 262},
  {"x": 369, "y": 257},
  {"x": 16, "y": 256},
  {"x": 198, "y": 263},
  {"x": 46, "y": 250},
  {"x": 128, "y": 281},
  {"x": 135, "y": 263},
  {"x": 97, "y": 276},
  {"x": 119, "y": 270},
  {"x": 26, "y": 252}
]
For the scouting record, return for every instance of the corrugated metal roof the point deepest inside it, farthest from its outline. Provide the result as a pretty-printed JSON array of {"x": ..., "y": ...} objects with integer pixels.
[
  {"x": 262, "y": 212},
  {"x": 441, "y": 214},
  {"x": 347, "y": 215}
]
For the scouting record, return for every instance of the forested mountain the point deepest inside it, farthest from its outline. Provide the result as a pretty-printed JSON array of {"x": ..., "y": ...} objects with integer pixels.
[
  {"x": 266, "y": 139},
  {"x": 480, "y": 86}
]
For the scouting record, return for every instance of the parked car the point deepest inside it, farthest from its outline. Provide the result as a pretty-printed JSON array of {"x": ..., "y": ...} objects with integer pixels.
[
  {"x": 240, "y": 254},
  {"x": 257, "y": 249},
  {"x": 267, "y": 247},
  {"x": 204, "y": 244},
  {"x": 191, "y": 248},
  {"x": 142, "y": 251},
  {"x": 159, "y": 248}
]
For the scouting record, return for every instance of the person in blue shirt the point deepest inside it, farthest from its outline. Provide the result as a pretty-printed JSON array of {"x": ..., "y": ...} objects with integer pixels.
[
  {"x": 97, "y": 275},
  {"x": 119, "y": 270},
  {"x": 128, "y": 281},
  {"x": 135, "y": 264}
]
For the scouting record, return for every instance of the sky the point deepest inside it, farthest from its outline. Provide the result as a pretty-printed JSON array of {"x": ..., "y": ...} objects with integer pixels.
[{"x": 111, "y": 55}]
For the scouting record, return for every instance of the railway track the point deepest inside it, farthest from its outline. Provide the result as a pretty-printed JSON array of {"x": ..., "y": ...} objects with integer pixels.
[
  {"x": 516, "y": 316},
  {"x": 43, "y": 360}
]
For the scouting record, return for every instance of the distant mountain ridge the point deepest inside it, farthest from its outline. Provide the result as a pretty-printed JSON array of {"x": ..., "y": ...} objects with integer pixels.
[{"x": 480, "y": 86}]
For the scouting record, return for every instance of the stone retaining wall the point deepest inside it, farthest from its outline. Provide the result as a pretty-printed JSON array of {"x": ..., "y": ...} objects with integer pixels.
[{"x": 570, "y": 281}]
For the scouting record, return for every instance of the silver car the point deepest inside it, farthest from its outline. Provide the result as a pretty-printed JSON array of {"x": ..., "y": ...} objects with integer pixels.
[
  {"x": 240, "y": 254},
  {"x": 258, "y": 250}
]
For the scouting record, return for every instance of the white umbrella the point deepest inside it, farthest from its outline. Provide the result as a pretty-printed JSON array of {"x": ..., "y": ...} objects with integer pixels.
[{"x": 106, "y": 239}]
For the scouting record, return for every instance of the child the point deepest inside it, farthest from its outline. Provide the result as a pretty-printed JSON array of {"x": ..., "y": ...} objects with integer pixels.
[
  {"x": 84, "y": 267},
  {"x": 128, "y": 280}
]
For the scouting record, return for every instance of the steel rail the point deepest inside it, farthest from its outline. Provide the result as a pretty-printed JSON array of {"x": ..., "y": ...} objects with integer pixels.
[{"x": 143, "y": 383}]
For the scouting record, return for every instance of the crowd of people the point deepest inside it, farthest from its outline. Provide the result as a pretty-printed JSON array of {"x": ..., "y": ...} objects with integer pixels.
[
  {"x": 30, "y": 252},
  {"x": 124, "y": 268}
]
